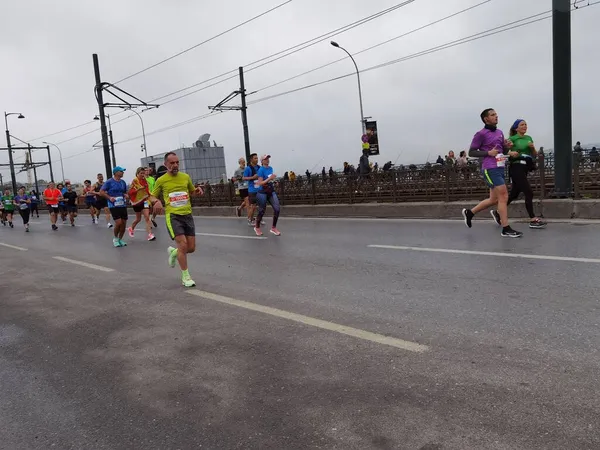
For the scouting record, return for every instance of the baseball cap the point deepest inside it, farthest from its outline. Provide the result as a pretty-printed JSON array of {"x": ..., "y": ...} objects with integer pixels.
[
  {"x": 118, "y": 169},
  {"x": 263, "y": 157}
]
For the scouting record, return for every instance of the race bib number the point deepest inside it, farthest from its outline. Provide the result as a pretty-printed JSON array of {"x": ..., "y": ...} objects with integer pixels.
[
  {"x": 146, "y": 205},
  {"x": 179, "y": 199},
  {"x": 54, "y": 206},
  {"x": 7, "y": 202},
  {"x": 119, "y": 201},
  {"x": 23, "y": 206},
  {"x": 500, "y": 160}
]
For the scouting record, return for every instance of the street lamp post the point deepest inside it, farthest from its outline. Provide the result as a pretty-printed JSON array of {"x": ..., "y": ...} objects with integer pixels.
[
  {"x": 62, "y": 167},
  {"x": 11, "y": 162},
  {"x": 110, "y": 136},
  {"x": 145, "y": 150},
  {"x": 362, "y": 115}
]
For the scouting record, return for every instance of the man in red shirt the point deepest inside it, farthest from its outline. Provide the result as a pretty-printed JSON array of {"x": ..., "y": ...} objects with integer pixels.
[{"x": 52, "y": 196}]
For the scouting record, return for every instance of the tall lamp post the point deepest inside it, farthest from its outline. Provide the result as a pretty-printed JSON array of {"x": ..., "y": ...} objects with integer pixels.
[
  {"x": 145, "y": 150},
  {"x": 362, "y": 115},
  {"x": 62, "y": 167},
  {"x": 13, "y": 176},
  {"x": 110, "y": 136}
]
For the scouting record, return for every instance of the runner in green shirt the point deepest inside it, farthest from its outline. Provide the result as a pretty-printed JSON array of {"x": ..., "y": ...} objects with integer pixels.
[
  {"x": 9, "y": 208},
  {"x": 175, "y": 189},
  {"x": 520, "y": 167},
  {"x": 151, "y": 179}
]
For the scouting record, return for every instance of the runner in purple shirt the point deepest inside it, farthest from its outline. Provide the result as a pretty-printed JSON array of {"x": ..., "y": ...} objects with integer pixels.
[{"x": 490, "y": 145}]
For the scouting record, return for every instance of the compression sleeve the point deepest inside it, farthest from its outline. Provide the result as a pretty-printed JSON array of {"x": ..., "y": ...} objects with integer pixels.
[{"x": 476, "y": 153}]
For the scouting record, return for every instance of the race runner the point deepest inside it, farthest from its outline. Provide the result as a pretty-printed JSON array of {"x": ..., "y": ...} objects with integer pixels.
[
  {"x": 101, "y": 202},
  {"x": 139, "y": 195},
  {"x": 520, "y": 167},
  {"x": 250, "y": 177},
  {"x": 35, "y": 201},
  {"x": 52, "y": 196},
  {"x": 241, "y": 186},
  {"x": 489, "y": 144},
  {"x": 114, "y": 191},
  {"x": 175, "y": 189},
  {"x": 8, "y": 200},
  {"x": 266, "y": 193},
  {"x": 151, "y": 179},
  {"x": 90, "y": 199},
  {"x": 71, "y": 197},
  {"x": 61, "y": 204},
  {"x": 22, "y": 201}
]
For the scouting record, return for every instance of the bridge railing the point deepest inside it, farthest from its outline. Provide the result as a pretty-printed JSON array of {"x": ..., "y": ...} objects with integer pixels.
[{"x": 412, "y": 184}]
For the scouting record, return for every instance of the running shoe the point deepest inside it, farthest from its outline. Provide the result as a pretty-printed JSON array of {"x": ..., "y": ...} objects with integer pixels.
[
  {"x": 238, "y": 211},
  {"x": 109, "y": 225},
  {"x": 537, "y": 224},
  {"x": 262, "y": 222},
  {"x": 116, "y": 242},
  {"x": 123, "y": 243},
  {"x": 72, "y": 224},
  {"x": 187, "y": 281},
  {"x": 172, "y": 256},
  {"x": 468, "y": 216},
  {"x": 251, "y": 223},
  {"x": 10, "y": 224},
  {"x": 130, "y": 231},
  {"x": 275, "y": 231},
  {"x": 154, "y": 223},
  {"x": 510, "y": 233},
  {"x": 258, "y": 231},
  {"x": 54, "y": 227},
  {"x": 26, "y": 228},
  {"x": 496, "y": 216},
  {"x": 151, "y": 237}
]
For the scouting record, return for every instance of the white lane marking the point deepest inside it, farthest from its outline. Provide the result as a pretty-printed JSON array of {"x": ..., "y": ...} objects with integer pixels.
[
  {"x": 472, "y": 252},
  {"x": 14, "y": 247},
  {"x": 318, "y": 323},
  {"x": 84, "y": 264},
  {"x": 236, "y": 236}
]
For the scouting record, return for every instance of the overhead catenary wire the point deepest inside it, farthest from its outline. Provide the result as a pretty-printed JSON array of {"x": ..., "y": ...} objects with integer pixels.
[
  {"x": 264, "y": 60},
  {"x": 477, "y": 36},
  {"x": 204, "y": 42}
]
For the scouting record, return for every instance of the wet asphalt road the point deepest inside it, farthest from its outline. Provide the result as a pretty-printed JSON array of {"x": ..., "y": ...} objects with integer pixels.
[{"x": 127, "y": 359}]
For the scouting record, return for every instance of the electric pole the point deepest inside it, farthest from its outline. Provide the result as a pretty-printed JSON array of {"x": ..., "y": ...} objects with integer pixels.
[
  {"x": 563, "y": 118},
  {"x": 222, "y": 107},
  {"x": 98, "y": 89},
  {"x": 244, "y": 116}
]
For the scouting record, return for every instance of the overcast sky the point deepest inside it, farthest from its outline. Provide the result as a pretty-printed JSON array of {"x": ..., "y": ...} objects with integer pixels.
[{"x": 424, "y": 106}]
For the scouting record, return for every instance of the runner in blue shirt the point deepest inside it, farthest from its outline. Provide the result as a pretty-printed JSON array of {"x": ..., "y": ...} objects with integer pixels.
[
  {"x": 114, "y": 191},
  {"x": 266, "y": 193},
  {"x": 250, "y": 177}
]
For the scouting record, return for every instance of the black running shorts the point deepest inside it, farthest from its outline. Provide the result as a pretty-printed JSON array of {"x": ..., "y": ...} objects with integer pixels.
[
  {"x": 119, "y": 213},
  {"x": 180, "y": 225}
]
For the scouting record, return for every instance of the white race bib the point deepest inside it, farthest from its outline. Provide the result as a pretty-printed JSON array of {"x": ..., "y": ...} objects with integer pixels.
[
  {"x": 119, "y": 201},
  {"x": 54, "y": 206},
  {"x": 500, "y": 160},
  {"x": 146, "y": 205},
  {"x": 179, "y": 199},
  {"x": 23, "y": 206}
]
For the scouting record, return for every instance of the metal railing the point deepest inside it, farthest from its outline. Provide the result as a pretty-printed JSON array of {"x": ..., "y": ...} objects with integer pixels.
[{"x": 413, "y": 184}]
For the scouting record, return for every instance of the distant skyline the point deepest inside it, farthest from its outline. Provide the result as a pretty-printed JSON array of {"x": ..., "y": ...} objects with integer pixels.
[{"x": 426, "y": 104}]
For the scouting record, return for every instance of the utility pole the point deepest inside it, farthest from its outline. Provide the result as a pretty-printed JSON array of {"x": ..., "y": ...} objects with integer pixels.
[
  {"x": 563, "y": 117},
  {"x": 244, "y": 115},
  {"x": 222, "y": 107},
  {"x": 102, "y": 117},
  {"x": 35, "y": 178},
  {"x": 50, "y": 163},
  {"x": 112, "y": 148}
]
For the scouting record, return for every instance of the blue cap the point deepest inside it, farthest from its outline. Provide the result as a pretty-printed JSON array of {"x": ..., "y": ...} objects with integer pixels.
[{"x": 118, "y": 169}]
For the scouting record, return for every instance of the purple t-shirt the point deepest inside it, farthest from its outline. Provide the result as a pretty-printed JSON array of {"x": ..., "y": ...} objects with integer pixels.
[{"x": 486, "y": 140}]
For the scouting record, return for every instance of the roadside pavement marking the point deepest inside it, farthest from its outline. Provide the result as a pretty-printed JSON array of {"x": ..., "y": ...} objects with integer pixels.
[
  {"x": 236, "y": 236},
  {"x": 14, "y": 247},
  {"x": 84, "y": 264},
  {"x": 472, "y": 252},
  {"x": 318, "y": 323}
]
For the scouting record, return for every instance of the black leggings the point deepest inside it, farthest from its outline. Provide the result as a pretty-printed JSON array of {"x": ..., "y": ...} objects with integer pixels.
[
  {"x": 34, "y": 208},
  {"x": 262, "y": 200},
  {"x": 520, "y": 183},
  {"x": 25, "y": 215}
]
